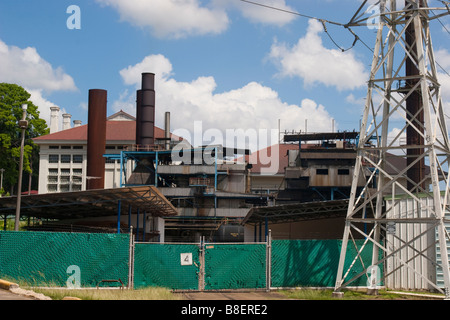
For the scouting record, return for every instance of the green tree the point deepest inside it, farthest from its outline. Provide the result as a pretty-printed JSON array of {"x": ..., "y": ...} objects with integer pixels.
[{"x": 12, "y": 97}]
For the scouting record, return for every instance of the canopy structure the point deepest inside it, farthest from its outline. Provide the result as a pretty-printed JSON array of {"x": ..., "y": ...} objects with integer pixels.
[
  {"x": 90, "y": 203},
  {"x": 297, "y": 212}
]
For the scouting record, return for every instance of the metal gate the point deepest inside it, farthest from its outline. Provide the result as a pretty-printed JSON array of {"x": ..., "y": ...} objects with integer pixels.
[
  {"x": 201, "y": 266},
  {"x": 235, "y": 266},
  {"x": 173, "y": 266}
]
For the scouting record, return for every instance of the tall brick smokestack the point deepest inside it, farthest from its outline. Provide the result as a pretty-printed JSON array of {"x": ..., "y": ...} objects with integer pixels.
[{"x": 95, "y": 175}]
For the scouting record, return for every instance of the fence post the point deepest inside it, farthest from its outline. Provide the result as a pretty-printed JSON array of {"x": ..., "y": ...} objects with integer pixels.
[
  {"x": 201, "y": 269},
  {"x": 269, "y": 260},
  {"x": 131, "y": 261}
]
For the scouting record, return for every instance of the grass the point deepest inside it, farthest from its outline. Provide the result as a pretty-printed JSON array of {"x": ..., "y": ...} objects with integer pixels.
[
  {"x": 306, "y": 294},
  {"x": 156, "y": 293},
  {"x": 109, "y": 294}
]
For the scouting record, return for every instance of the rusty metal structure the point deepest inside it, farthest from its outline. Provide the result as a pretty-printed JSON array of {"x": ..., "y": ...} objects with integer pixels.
[
  {"x": 145, "y": 112},
  {"x": 96, "y": 141},
  {"x": 320, "y": 169},
  {"x": 403, "y": 83}
]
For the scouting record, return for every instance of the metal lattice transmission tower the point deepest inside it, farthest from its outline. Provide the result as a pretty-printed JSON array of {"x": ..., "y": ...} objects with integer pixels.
[{"x": 400, "y": 189}]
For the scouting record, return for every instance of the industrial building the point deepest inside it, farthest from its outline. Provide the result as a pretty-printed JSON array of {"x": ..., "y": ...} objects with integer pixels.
[
  {"x": 121, "y": 151},
  {"x": 215, "y": 192},
  {"x": 213, "y": 188}
]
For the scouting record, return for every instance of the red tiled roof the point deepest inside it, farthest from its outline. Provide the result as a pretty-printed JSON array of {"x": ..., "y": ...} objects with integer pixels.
[{"x": 115, "y": 131}]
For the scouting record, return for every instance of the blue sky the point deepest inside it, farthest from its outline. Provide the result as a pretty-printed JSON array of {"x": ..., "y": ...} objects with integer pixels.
[{"x": 227, "y": 63}]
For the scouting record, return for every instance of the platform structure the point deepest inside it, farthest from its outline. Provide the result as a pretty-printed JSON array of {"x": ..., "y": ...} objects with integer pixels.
[{"x": 403, "y": 83}]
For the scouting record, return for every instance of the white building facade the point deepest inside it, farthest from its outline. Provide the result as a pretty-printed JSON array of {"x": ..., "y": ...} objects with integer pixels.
[{"x": 63, "y": 154}]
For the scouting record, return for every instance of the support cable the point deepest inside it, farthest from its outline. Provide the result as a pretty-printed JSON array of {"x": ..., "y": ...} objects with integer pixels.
[{"x": 292, "y": 12}]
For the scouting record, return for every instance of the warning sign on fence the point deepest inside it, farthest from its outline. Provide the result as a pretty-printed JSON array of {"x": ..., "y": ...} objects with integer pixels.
[{"x": 186, "y": 259}]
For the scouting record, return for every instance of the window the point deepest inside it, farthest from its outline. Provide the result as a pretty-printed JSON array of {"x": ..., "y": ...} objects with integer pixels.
[
  {"x": 65, "y": 179},
  {"x": 53, "y": 172},
  {"x": 53, "y": 147},
  {"x": 65, "y": 172},
  {"x": 77, "y": 172},
  {"x": 53, "y": 179},
  {"x": 53, "y": 158},
  {"x": 323, "y": 172},
  {"x": 65, "y": 158},
  {"x": 77, "y": 158},
  {"x": 343, "y": 172},
  {"x": 52, "y": 187},
  {"x": 64, "y": 188},
  {"x": 77, "y": 147},
  {"x": 77, "y": 179},
  {"x": 65, "y": 147}
]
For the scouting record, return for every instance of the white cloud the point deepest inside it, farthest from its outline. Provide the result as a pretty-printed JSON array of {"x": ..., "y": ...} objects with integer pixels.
[
  {"x": 252, "y": 108},
  {"x": 261, "y": 14},
  {"x": 183, "y": 18},
  {"x": 315, "y": 64},
  {"x": 43, "y": 104},
  {"x": 158, "y": 64},
  {"x": 443, "y": 58},
  {"x": 27, "y": 68},
  {"x": 171, "y": 18}
]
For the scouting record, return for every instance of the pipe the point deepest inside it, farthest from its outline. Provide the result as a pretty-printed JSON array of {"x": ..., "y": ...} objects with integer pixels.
[
  {"x": 138, "y": 116},
  {"x": 146, "y": 114},
  {"x": 96, "y": 143},
  {"x": 167, "y": 130}
]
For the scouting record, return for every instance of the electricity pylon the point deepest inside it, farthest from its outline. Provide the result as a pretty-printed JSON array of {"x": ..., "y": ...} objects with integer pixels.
[{"x": 403, "y": 85}]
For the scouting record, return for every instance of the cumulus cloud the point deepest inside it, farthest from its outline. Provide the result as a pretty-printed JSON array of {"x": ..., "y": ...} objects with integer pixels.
[
  {"x": 171, "y": 18},
  {"x": 183, "y": 18},
  {"x": 443, "y": 58},
  {"x": 315, "y": 64},
  {"x": 251, "y": 109},
  {"x": 43, "y": 104},
  {"x": 261, "y": 14},
  {"x": 158, "y": 64},
  {"x": 27, "y": 68}
]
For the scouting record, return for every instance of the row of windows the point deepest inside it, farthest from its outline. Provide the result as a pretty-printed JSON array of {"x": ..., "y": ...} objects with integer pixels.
[
  {"x": 53, "y": 147},
  {"x": 65, "y": 158},
  {"x": 341, "y": 172},
  {"x": 65, "y": 172},
  {"x": 63, "y": 187},
  {"x": 66, "y": 147},
  {"x": 65, "y": 179}
]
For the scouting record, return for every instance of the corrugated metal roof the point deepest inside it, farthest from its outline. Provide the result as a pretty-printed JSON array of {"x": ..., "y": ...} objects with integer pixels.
[{"x": 90, "y": 203}]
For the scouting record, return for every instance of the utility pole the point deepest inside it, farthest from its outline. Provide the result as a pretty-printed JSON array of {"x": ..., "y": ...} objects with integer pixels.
[
  {"x": 400, "y": 209},
  {"x": 1, "y": 180},
  {"x": 23, "y": 125}
]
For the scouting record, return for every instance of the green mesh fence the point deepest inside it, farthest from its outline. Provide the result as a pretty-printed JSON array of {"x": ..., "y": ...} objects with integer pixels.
[
  {"x": 235, "y": 266},
  {"x": 314, "y": 263},
  {"x": 160, "y": 265},
  {"x": 50, "y": 259}
]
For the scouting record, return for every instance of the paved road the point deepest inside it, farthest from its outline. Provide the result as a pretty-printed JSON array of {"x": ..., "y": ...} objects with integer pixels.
[{"x": 8, "y": 295}]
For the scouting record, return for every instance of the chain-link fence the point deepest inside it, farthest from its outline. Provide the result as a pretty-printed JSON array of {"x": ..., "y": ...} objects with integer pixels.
[
  {"x": 53, "y": 258},
  {"x": 88, "y": 259}
]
